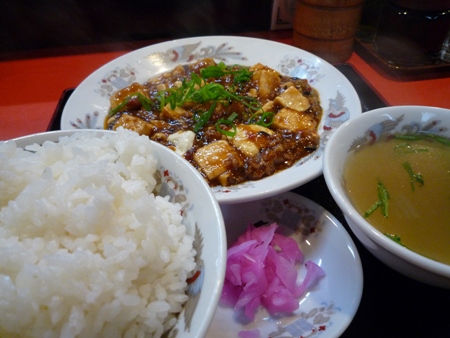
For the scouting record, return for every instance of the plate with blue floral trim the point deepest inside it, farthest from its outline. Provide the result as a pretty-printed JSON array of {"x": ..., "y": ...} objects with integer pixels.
[
  {"x": 327, "y": 309},
  {"x": 87, "y": 107}
]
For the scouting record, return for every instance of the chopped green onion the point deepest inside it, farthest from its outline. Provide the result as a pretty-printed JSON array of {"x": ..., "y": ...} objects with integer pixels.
[
  {"x": 161, "y": 97},
  {"x": 119, "y": 107},
  {"x": 266, "y": 116},
  {"x": 383, "y": 196},
  {"x": 240, "y": 75},
  {"x": 264, "y": 119},
  {"x": 143, "y": 100},
  {"x": 414, "y": 177},
  {"x": 243, "y": 75},
  {"x": 372, "y": 209},
  {"x": 406, "y": 148},
  {"x": 204, "y": 117},
  {"x": 395, "y": 238},
  {"x": 383, "y": 202},
  {"x": 196, "y": 91},
  {"x": 208, "y": 92},
  {"x": 440, "y": 139},
  {"x": 415, "y": 137},
  {"x": 227, "y": 122},
  {"x": 213, "y": 71},
  {"x": 232, "y": 117},
  {"x": 408, "y": 137}
]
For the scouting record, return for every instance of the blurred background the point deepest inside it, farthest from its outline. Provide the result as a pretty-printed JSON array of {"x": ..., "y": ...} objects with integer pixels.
[
  {"x": 403, "y": 33},
  {"x": 38, "y": 24}
]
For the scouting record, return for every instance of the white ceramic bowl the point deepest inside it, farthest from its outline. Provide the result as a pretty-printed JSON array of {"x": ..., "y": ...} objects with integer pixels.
[
  {"x": 337, "y": 151},
  {"x": 204, "y": 221}
]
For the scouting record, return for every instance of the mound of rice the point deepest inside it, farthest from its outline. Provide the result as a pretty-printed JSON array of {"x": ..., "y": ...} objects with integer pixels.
[{"x": 86, "y": 248}]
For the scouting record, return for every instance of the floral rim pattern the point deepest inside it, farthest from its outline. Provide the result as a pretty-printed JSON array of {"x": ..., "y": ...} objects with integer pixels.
[
  {"x": 387, "y": 128},
  {"x": 170, "y": 185},
  {"x": 308, "y": 324}
]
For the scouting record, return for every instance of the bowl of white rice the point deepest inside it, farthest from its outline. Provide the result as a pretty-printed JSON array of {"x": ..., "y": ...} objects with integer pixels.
[{"x": 106, "y": 234}]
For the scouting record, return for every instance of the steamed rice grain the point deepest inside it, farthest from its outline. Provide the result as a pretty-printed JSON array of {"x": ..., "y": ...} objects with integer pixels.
[{"x": 86, "y": 248}]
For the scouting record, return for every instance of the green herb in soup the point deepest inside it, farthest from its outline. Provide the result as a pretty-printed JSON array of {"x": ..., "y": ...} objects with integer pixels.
[
  {"x": 402, "y": 187},
  {"x": 383, "y": 201},
  {"x": 395, "y": 238},
  {"x": 414, "y": 177}
]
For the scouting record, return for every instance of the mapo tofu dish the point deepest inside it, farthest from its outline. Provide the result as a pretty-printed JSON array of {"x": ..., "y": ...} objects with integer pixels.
[{"x": 233, "y": 123}]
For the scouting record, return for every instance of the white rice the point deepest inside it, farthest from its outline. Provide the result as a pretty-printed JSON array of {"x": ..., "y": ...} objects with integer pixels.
[{"x": 86, "y": 248}]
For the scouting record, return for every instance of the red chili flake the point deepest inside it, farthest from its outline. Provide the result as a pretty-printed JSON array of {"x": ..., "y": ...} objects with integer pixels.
[
  {"x": 193, "y": 278},
  {"x": 170, "y": 179},
  {"x": 166, "y": 173},
  {"x": 322, "y": 327},
  {"x": 312, "y": 230}
]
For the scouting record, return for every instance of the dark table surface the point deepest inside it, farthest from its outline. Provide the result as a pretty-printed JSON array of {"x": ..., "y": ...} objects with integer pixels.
[{"x": 392, "y": 305}]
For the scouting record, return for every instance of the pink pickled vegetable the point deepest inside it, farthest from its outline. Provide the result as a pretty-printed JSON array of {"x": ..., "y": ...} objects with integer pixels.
[{"x": 262, "y": 270}]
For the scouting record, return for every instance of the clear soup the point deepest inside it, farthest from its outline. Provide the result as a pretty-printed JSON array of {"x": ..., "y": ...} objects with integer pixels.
[{"x": 415, "y": 175}]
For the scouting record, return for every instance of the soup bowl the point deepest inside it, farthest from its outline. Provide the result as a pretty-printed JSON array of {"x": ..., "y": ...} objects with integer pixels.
[
  {"x": 125, "y": 275},
  {"x": 369, "y": 128}
]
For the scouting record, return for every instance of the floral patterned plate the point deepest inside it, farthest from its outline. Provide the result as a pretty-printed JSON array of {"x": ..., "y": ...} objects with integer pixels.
[
  {"x": 88, "y": 105},
  {"x": 327, "y": 309}
]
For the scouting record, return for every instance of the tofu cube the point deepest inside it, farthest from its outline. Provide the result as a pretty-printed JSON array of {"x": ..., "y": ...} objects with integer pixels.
[
  {"x": 174, "y": 114},
  {"x": 216, "y": 158},
  {"x": 268, "y": 106},
  {"x": 290, "y": 119},
  {"x": 182, "y": 140},
  {"x": 293, "y": 99},
  {"x": 249, "y": 139},
  {"x": 134, "y": 123},
  {"x": 266, "y": 81}
]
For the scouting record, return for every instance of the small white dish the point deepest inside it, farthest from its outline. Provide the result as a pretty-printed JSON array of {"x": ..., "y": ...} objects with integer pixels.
[
  {"x": 328, "y": 308},
  {"x": 88, "y": 105}
]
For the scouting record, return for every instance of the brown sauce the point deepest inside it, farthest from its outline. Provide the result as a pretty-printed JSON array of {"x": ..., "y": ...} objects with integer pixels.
[{"x": 233, "y": 152}]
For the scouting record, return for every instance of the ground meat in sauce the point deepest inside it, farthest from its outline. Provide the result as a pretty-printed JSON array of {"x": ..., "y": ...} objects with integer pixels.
[{"x": 254, "y": 151}]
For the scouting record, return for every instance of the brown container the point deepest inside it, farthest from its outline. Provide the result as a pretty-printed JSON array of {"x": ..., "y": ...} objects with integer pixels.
[{"x": 327, "y": 28}]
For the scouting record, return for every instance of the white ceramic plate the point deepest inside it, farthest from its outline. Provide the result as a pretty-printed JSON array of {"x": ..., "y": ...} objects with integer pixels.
[
  {"x": 88, "y": 105},
  {"x": 328, "y": 309}
]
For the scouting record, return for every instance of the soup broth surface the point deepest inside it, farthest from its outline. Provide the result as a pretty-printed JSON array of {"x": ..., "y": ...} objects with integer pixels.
[{"x": 418, "y": 213}]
